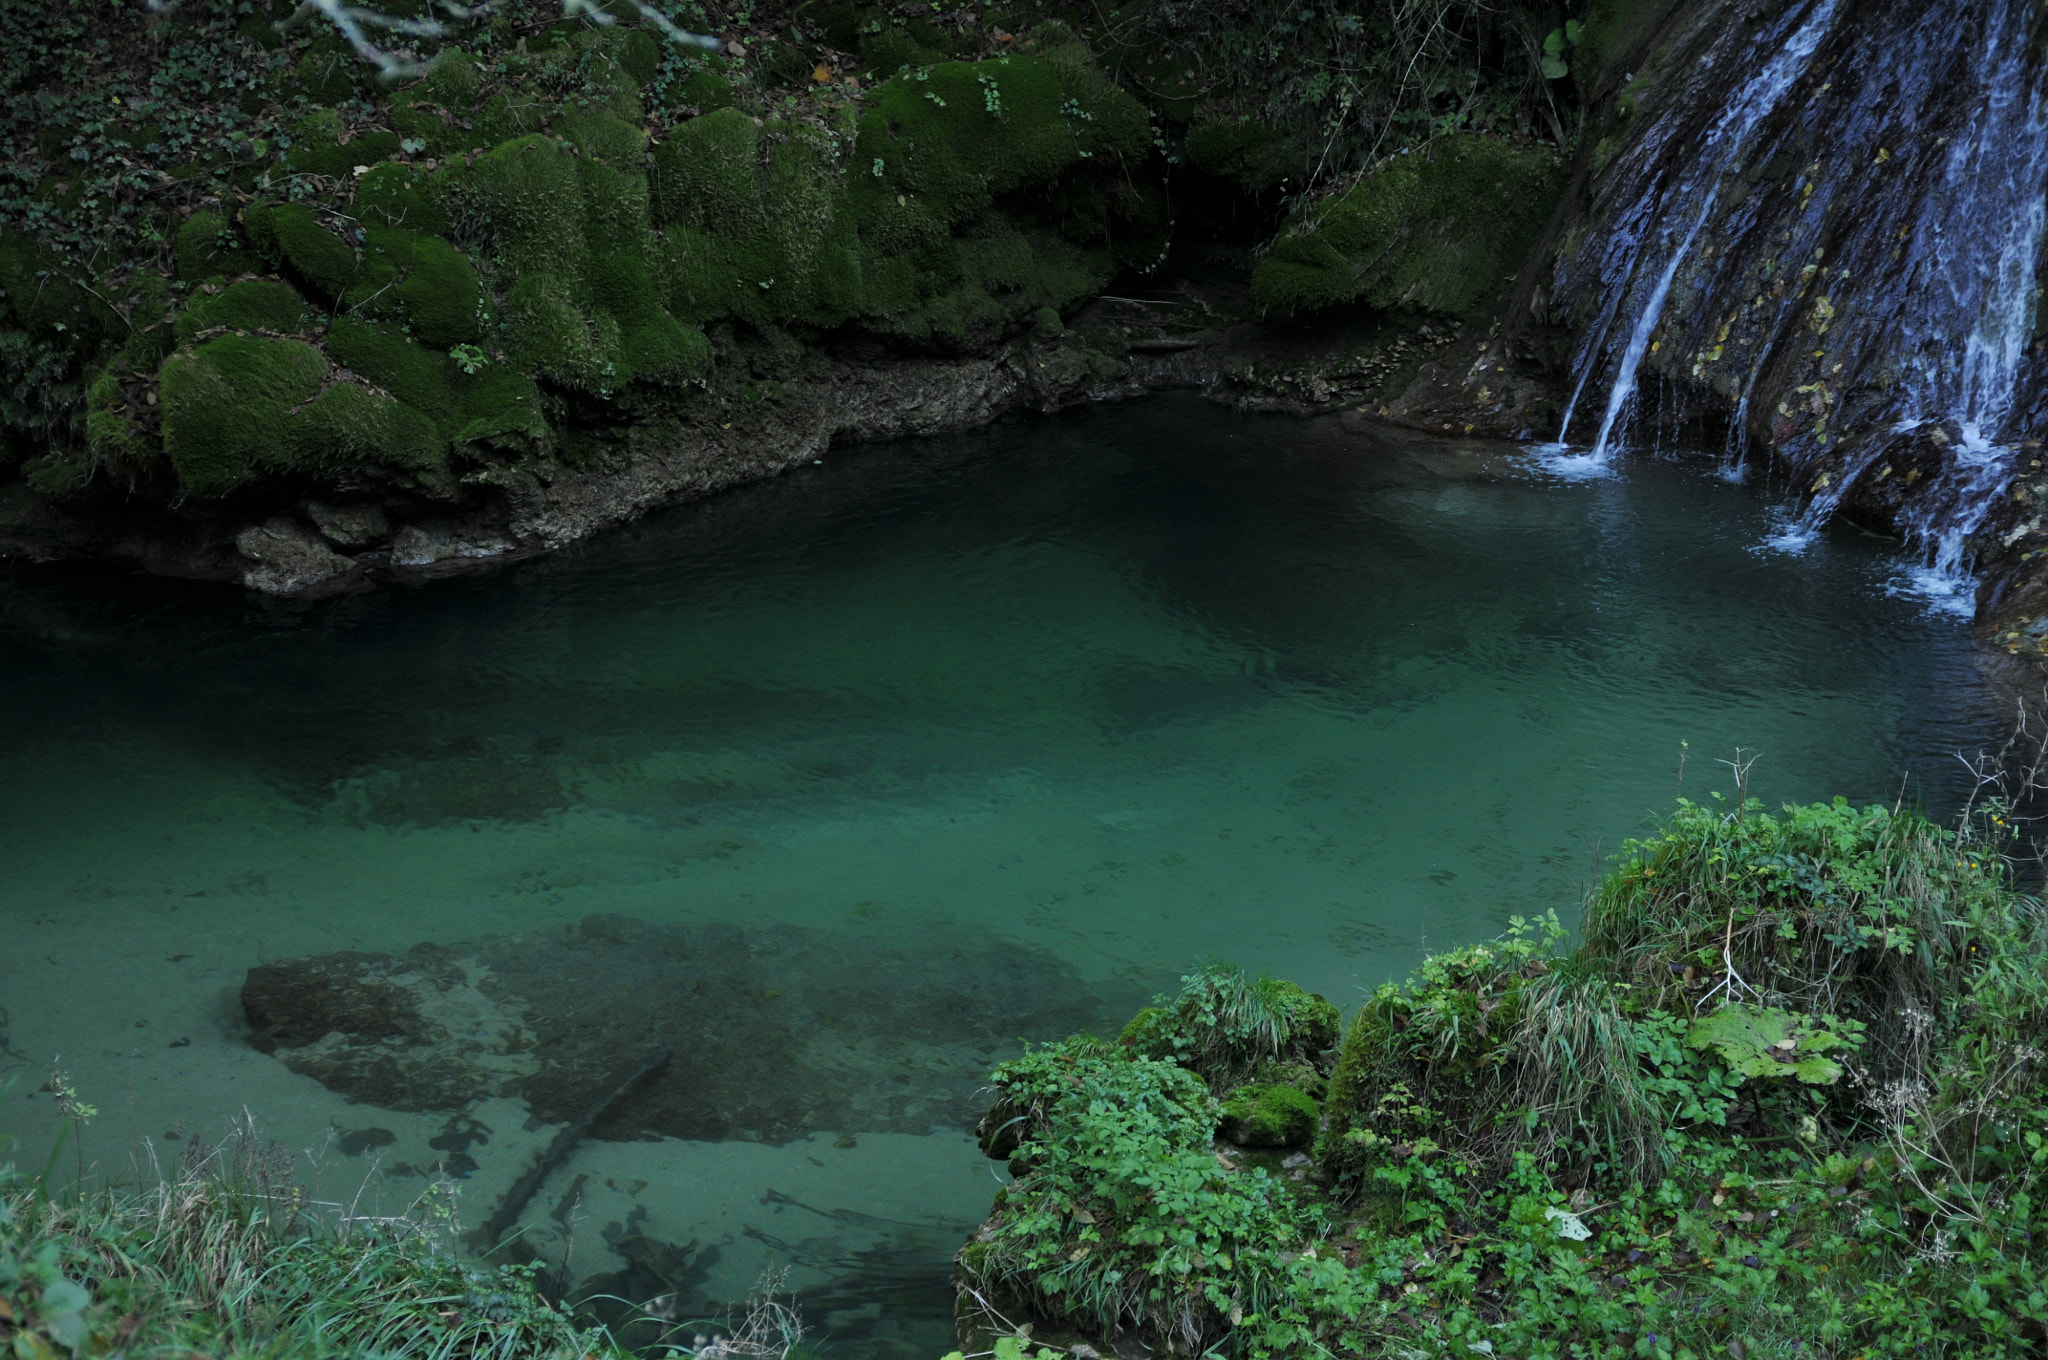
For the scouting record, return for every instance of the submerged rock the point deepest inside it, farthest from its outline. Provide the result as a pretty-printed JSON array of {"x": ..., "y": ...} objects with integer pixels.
[{"x": 775, "y": 1032}]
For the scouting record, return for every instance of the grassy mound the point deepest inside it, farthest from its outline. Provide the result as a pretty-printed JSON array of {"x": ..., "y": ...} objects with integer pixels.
[
  {"x": 1786, "y": 1098},
  {"x": 229, "y": 1258}
]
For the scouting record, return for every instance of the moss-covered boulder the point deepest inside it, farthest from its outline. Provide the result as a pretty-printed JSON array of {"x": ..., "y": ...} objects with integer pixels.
[
  {"x": 267, "y": 305},
  {"x": 1269, "y": 1115},
  {"x": 226, "y": 405},
  {"x": 206, "y": 245},
  {"x": 492, "y": 407},
  {"x": 1438, "y": 230}
]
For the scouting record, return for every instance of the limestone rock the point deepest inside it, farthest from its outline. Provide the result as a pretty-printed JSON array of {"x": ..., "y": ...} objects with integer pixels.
[
  {"x": 288, "y": 558},
  {"x": 349, "y": 526},
  {"x": 423, "y": 545}
]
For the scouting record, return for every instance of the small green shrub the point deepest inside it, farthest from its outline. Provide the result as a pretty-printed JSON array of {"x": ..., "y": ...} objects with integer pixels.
[{"x": 1226, "y": 1025}]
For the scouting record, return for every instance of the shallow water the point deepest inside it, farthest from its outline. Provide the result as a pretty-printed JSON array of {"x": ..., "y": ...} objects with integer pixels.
[{"x": 935, "y": 746}]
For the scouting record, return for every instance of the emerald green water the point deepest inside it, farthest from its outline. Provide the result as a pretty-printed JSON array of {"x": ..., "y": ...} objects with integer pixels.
[{"x": 1052, "y": 711}]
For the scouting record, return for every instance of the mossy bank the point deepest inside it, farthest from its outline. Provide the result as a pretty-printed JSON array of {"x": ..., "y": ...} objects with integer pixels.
[
  {"x": 1784, "y": 1098},
  {"x": 275, "y": 319}
]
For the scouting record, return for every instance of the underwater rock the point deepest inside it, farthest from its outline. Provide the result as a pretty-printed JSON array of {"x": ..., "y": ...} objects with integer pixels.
[
  {"x": 410, "y": 1032},
  {"x": 776, "y": 1031}
]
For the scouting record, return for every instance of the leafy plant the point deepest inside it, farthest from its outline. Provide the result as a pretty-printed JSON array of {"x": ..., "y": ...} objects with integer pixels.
[{"x": 1641, "y": 1146}]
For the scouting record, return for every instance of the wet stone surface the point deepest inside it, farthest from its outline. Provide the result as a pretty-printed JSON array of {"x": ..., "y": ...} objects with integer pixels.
[{"x": 774, "y": 1032}]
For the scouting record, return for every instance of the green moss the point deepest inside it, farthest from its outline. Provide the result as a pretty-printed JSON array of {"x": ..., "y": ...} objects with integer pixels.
[
  {"x": 527, "y": 195},
  {"x": 348, "y": 426},
  {"x": 329, "y": 72},
  {"x": 317, "y": 148},
  {"x": 1437, "y": 230},
  {"x": 497, "y": 406},
  {"x": 325, "y": 261},
  {"x": 451, "y": 80},
  {"x": 112, "y": 437},
  {"x": 225, "y": 406},
  {"x": 940, "y": 146},
  {"x": 561, "y": 340},
  {"x": 893, "y": 49},
  {"x": 206, "y": 245},
  {"x": 57, "y": 475},
  {"x": 1269, "y": 1115},
  {"x": 392, "y": 196},
  {"x": 705, "y": 174},
  {"x": 640, "y": 56},
  {"x": 603, "y": 137},
  {"x": 250, "y": 304},
  {"x": 436, "y": 288},
  {"x": 1139, "y": 1032},
  {"x": 706, "y": 91}
]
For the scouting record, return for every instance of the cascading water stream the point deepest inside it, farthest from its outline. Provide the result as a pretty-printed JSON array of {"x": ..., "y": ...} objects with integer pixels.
[
  {"x": 1692, "y": 200},
  {"x": 1971, "y": 252},
  {"x": 1844, "y": 257},
  {"x": 1987, "y": 266}
]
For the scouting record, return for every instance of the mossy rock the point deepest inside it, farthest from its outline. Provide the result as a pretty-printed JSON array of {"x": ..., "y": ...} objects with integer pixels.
[
  {"x": 893, "y": 49},
  {"x": 602, "y": 137},
  {"x": 328, "y": 264},
  {"x": 528, "y": 195},
  {"x": 940, "y": 146},
  {"x": 391, "y": 195},
  {"x": 495, "y": 407},
  {"x": 1268, "y": 1115},
  {"x": 705, "y": 90},
  {"x": 427, "y": 281},
  {"x": 705, "y": 174},
  {"x": 207, "y": 245},
  {"x": 317, "y": 147},
  {"x": 451, "y": 80},
  {"x": 992, "y": 280},
  {"x": 1437, "y": 230},
  {"x": 110, "y": 435},
  {"x": 251, "y": 305},
  {"x": 348, "y": 426},
  {"x": 225, "y": 406},
  {"x": 330, "y": 72}
]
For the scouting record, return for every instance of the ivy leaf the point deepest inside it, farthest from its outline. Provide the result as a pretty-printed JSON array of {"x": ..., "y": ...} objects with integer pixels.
[{"x": 1554, "y": 69}]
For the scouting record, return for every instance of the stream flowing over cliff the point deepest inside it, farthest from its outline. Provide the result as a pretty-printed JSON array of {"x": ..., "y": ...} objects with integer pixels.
[{"x": 1823, "y": 221}]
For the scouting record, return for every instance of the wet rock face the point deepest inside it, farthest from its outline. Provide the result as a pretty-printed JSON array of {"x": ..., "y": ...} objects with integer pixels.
[{"x": 774, "y": 1032}]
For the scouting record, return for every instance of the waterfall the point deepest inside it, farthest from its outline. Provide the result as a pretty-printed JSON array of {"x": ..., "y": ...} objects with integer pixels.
[
  {"x": 1843, "y": 256},
  {"x": 1982, "y": 244},
  {"x": 1692, "y": 199}
]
